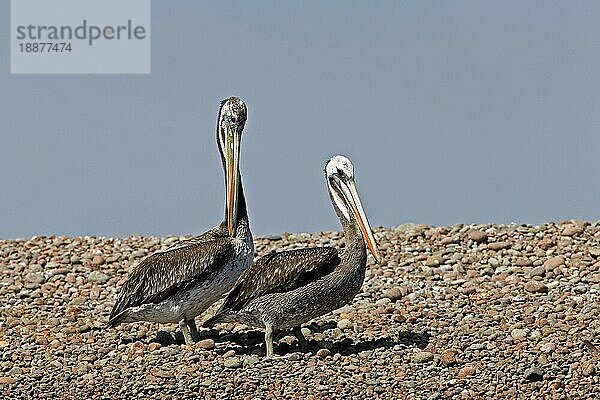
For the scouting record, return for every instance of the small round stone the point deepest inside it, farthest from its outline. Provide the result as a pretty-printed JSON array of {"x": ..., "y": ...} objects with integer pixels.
[
  {"x": 536, "y": 287},
  {"x": 519, "y": 334},
  {"x": 553, "y": 263},
  {"x": 229, "y": 353},
  {"x": 589, "y": 369},
  {"x": 466, "y": 371},
  {"x": 322, "y": 353},
  {"x": 232, "y": 362},
  {"x": 534, "y": 374},
  {"x": 344, "y": 324},
  {"x": 448, "y": 357},
  {"x": 422, "y": 357},
  {"x": 477, "y": 235},
  {"x": 98, "y": 260},
  {"x": 154, "y": 346},
  {"x": 98, "y": 277},
  {"x": 393, "y": 294},
  {"x": 205, "y": 344},
  {"x": 548, "y": 348}
]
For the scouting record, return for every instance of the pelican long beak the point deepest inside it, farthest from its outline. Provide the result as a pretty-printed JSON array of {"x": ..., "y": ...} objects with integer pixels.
[
  {"x": 233, "y": 138},
  {"x": 349, "y": 190}
]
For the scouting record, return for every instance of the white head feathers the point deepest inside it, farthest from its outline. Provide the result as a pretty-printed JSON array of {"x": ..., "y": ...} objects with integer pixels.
[{"x": 341, "y": 167}]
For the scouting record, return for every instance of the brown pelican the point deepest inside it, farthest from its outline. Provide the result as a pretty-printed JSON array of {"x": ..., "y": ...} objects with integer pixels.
[
  {"x": 285, "y": 289},
  {"x": 179, "y": 283}
]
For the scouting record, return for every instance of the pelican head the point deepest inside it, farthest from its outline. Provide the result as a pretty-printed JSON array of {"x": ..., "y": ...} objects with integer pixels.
[
  {"x": 230, "y": 124},
  {"x": 339, "y": 173}
]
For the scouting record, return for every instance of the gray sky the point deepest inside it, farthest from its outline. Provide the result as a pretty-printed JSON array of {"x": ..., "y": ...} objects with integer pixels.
[{"x": 452, "y": 112}]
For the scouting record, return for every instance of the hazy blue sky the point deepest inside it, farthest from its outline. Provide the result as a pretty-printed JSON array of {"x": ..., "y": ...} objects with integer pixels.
[{"x": 452, "y": 112}]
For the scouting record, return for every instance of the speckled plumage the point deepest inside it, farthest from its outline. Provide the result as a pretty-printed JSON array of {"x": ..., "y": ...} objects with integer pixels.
[
  {"x": 179, "y": 283},
  {"x": 279, "y": 273},
  {"x": 288, "y": 288},
  {"x": 183, "y": 281},
  {"x": 285, "y": 289}
]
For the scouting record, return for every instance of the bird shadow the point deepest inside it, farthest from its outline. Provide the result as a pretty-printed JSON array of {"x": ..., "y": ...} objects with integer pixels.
[{"x": 252, "y": 341}]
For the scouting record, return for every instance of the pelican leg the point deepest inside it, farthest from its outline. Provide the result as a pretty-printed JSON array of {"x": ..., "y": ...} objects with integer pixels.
[
  {"x": 186, "y": 332},
  {"x": 301, "y": 339},
  {"x": 191, "y": 323},
  {"x": 269, "y": 340}
]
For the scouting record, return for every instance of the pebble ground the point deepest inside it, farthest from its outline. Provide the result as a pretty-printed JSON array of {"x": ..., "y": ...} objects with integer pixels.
[{"x": 478, "y": 311}]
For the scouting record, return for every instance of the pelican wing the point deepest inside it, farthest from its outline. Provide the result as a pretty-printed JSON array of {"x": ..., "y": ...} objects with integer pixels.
[
  {"x": 280, "y": 272},
  {"x": 161, "y": 274}
]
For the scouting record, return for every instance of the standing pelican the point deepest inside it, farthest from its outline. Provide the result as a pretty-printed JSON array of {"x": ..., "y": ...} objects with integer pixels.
[
  {"x": 179, "y": 283},
  {"x": 285, "y": 289}
]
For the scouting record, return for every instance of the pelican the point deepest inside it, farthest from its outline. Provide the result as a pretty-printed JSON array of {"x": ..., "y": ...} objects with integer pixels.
[
  {"x": 285, "y": 289},
  {"x": 181, "y": 282}
]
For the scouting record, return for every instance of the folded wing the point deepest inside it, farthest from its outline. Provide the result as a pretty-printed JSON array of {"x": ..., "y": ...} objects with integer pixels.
[
  {"x": 161, "y": 274},
  {"x": 280, "y": 272}
]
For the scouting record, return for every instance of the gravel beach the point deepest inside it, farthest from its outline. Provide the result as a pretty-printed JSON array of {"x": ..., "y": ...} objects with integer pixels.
[{"x": 477, "y": 311}]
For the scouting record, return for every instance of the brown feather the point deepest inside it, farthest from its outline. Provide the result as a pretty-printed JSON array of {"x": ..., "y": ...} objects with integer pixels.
[
  {"x": 159, "y": 275},
  {"x": 280, "y": 272}
]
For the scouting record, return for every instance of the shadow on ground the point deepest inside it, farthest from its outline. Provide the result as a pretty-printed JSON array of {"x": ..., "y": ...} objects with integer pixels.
[{"x": 252, "y": 341}]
